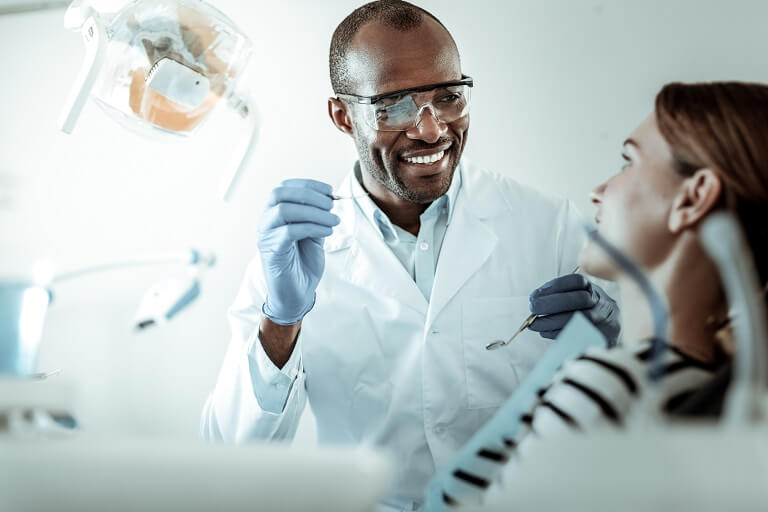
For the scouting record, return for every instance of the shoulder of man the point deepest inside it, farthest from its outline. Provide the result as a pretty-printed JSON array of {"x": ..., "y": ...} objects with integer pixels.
[{"x": 491, "y": 188}]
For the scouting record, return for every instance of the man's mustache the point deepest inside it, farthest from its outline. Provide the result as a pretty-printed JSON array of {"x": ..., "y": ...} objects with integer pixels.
[{"x": 419, "y": 145}]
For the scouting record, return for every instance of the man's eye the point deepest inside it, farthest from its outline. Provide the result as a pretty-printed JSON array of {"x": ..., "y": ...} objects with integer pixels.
[
  {"x": 449, "y": 98},
  {"x": 388, "y": 102}
]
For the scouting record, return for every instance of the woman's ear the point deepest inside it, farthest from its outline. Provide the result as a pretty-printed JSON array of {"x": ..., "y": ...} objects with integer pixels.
[
  {"x": 337, "y": 110},
  {"x": 698, "y": 196}
]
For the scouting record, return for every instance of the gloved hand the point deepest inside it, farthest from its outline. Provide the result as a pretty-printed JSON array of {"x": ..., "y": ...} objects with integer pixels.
[
  {"x": 291, "y": 232},
  {"x": 559, "y": 298}
]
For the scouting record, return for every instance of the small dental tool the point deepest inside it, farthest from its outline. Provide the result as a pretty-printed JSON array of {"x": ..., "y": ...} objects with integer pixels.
[
  {"x": 527, "y": 323},
  {"x": 336, "y": 197},
  {"x": 45, "y": 375}
]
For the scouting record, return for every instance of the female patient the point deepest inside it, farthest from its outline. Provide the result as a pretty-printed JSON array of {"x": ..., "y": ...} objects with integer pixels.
[{"x": 704, "y": 149}]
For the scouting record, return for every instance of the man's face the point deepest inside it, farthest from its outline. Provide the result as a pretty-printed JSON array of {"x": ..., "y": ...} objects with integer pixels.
[{"x": 383, "y": 60}]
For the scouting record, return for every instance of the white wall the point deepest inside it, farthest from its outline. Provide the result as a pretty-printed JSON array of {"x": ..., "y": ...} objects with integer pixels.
[{"x": 559, "y": 85}]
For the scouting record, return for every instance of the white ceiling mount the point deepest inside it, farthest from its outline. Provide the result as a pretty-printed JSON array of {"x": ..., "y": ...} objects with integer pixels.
[{"x": 22, "y": 6}]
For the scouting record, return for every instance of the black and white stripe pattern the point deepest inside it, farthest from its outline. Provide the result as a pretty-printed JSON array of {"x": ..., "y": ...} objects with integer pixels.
[{"x": 598, "y": 388}]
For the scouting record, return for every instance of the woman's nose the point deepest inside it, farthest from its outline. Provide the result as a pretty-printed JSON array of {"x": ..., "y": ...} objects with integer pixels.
[{"x": 596, "y": 196}]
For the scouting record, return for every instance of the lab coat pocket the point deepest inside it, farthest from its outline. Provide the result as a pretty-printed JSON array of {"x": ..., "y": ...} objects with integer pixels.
[{"x": 493, "y": 375}]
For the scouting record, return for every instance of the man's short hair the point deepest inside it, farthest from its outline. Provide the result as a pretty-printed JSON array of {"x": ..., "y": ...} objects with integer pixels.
[{"x": 396, "y": 14}]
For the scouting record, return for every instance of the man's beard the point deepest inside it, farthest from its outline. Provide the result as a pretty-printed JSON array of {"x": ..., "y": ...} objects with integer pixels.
[{"x": 395, "y": 183}]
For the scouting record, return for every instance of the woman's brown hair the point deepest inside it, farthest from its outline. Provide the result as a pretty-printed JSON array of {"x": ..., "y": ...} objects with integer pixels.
[{"x": 723, "y": 126}]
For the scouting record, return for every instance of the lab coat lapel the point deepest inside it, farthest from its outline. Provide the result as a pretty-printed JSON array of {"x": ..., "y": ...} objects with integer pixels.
[
  {"x": 467, "y": 245},
  {"x": 372, "y": 264},
  {"x": 369, "y": 262}
]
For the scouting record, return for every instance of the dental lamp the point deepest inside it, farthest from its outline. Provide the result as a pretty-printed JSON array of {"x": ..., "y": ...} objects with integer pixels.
[
  {"x": 24, "y": 304},
  {"x": 161, "y": 68}
]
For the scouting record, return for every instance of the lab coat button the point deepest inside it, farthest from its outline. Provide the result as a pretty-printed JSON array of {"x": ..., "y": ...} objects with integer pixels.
[
  {"x": 439, "y": 430},
  {"x": 424, "y": 246},
  {"x": 435, "y": 331}
]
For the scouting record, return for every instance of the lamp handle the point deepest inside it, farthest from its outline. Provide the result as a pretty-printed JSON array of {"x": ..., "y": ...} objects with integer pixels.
[
  {"x": 95, "y": 38},
  {"x": 246, "y": 108}
]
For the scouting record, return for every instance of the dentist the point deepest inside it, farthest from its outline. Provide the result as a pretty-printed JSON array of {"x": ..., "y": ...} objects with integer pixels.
[{"x": 377, "y": 306}]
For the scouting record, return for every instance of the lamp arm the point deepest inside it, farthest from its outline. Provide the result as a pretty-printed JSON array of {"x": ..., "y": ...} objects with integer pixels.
[
  {"x": 80, "y": 16},
  {"x": 246, "y": 107},
  {"x": 189, "y": 257}
]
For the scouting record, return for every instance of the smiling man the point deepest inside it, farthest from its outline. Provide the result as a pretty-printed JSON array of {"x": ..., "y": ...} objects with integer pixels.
[{"x": 376, "y": 303}]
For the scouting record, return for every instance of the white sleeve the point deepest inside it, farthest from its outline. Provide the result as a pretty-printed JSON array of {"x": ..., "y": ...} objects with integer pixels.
[
  {"x": 570, "y": 238},
  {"x": 253, "y": 399}
]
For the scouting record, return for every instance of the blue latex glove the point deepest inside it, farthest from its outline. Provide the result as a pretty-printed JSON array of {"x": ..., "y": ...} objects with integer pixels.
[
  {"x": 291, "y": 233},
  {"x": 559, "y": 298}
]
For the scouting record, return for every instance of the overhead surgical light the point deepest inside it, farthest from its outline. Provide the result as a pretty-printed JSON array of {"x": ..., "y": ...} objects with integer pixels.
[{"x": 161, "y": 67}]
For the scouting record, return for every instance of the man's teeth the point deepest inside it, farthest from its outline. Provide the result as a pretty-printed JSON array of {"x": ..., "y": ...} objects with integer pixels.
[{"x": 429, "y": 159}]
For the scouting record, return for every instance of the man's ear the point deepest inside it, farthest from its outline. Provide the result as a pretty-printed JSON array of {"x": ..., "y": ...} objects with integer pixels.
[
  {"x": 698, "y": 196},
  {"x": 339, "y": 114}
]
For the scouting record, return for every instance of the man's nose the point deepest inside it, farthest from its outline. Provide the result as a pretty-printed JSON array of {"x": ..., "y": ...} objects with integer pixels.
[{"x": 427, "y": 128}]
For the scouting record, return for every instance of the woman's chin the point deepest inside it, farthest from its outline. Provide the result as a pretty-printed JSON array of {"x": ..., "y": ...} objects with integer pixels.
[{"x": 595, "y": 262}]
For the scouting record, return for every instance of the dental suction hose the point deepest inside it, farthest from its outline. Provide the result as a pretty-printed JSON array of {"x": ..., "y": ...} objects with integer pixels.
[{"x": 723, "y": 239}]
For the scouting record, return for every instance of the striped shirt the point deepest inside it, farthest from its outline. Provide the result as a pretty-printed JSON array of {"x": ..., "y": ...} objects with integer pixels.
[{"x": 602, "y": 387}]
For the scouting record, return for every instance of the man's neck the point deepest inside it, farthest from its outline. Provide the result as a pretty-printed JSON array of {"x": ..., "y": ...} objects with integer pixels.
[{"x": 400, "y": 212}]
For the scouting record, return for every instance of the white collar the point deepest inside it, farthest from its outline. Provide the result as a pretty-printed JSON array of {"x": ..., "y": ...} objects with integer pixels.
[{"x": 379, "y": 219}]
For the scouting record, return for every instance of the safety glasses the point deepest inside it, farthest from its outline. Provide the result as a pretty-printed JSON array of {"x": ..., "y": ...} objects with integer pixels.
[{"x": 401, "y": 110}]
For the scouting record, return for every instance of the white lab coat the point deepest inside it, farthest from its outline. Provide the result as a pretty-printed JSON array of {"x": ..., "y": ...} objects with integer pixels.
[{"x": 378, "y": 363}]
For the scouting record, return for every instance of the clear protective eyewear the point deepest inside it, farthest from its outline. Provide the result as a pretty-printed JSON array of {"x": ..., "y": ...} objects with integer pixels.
[{"x": 400, "y": 110}]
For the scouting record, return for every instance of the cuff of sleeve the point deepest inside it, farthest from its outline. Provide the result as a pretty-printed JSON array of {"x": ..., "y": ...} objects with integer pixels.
[
  {"x": 272, "y": 385},
  {"x": 266, "y": 310}
]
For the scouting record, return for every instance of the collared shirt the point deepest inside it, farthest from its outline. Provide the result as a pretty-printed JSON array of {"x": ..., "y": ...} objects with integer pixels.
[{"x": 418, "y": 254}]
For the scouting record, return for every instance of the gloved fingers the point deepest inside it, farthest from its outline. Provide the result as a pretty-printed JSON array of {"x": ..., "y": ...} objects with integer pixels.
[
  {"x": 291, "y": 213},
  {"x": 303, "y": 231},
  {"x": 550, "y": 335},
  {"x": 605, "y": 307},
  {"x": 570, "y": 282},
  {"x": 315, "y": 185},
  {"x": 319, "y": 241},
  {"x": 300, "y": 195},
  {"x": 550, "y": 322},
  {"x": 563, "y": 302},
  {"x": 280, "y": 239}
]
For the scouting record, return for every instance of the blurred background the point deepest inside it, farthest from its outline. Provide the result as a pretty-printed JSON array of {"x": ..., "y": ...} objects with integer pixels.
[{"x": 559, "y": 84}]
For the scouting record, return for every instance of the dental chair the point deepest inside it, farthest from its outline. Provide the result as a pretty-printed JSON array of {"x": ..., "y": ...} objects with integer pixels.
[{"x": 709, "y": 454}]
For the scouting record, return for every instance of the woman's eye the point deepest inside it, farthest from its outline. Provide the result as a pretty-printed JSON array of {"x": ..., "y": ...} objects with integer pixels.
[{"x": 627, "y": 161}]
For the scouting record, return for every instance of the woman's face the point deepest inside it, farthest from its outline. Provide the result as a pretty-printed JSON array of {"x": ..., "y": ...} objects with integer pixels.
[{"x": 633, "y": 207}]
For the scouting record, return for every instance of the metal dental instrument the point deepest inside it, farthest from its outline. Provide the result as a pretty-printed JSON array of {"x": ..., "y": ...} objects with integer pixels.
[
  {"x": 528, "y": 321},
  {"x": 45, "y": 375},
  {"x": 336, "y": 198}
]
